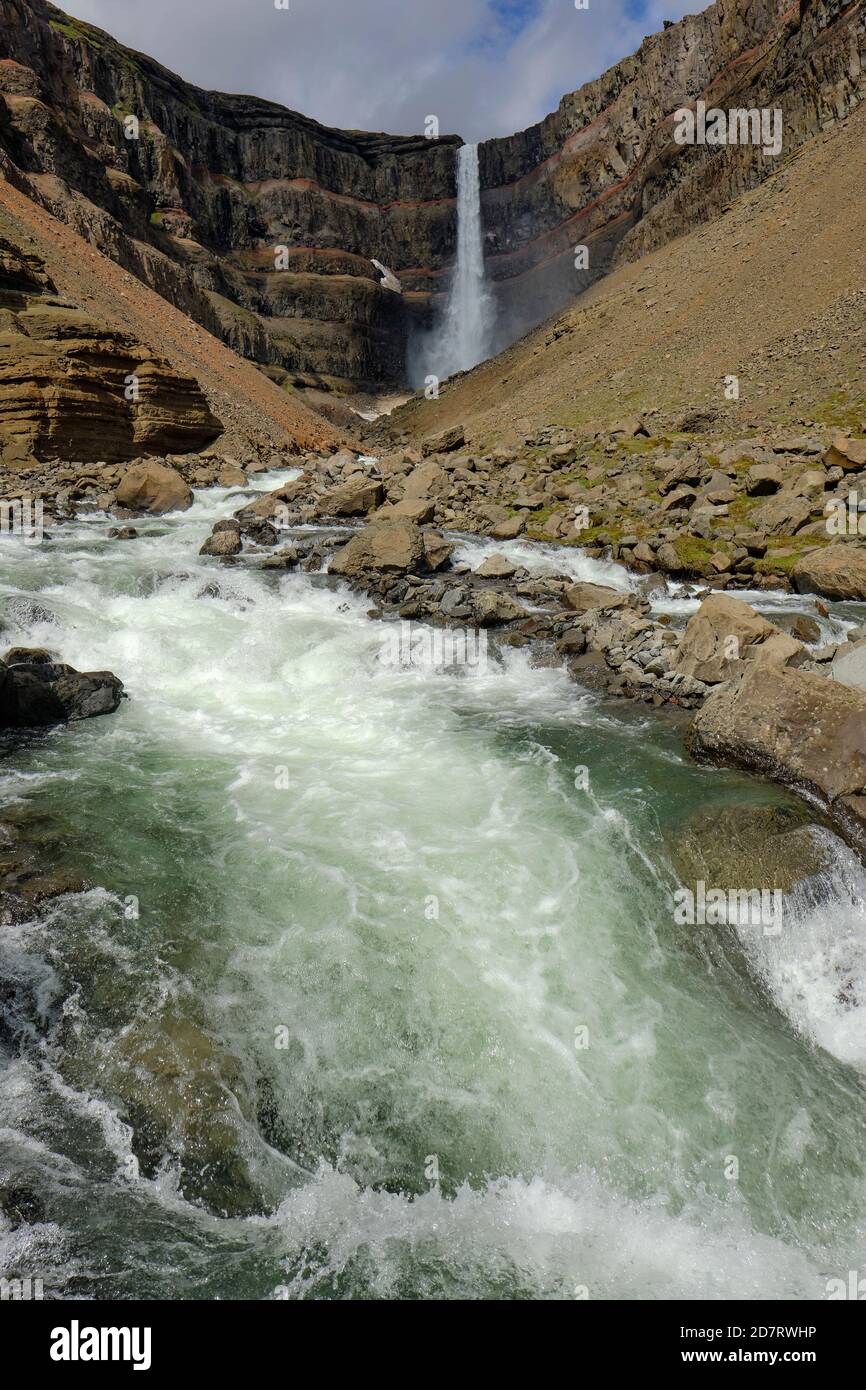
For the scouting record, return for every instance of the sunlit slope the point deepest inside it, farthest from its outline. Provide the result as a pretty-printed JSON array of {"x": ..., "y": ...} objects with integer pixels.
[{"x": 773, "y": 291}]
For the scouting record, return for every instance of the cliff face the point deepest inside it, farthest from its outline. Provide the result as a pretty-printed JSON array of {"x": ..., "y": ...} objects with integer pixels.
[
  {"x": 605, "y": 171},
  {"x": 64, "y": 375},
  {"x": 198, "y": 204}
]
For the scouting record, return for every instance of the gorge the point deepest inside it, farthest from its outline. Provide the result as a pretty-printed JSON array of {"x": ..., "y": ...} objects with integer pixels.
[{"x": 197, "y": 204}]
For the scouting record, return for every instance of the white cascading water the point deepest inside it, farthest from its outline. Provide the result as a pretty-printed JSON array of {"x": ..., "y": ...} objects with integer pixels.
[
  {"x": 464, "y": 338},
  {"x": 372, "y": 909}
]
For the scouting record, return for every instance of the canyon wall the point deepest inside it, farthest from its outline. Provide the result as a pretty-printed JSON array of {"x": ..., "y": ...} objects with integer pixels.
[{"x": 198, "y": 204}]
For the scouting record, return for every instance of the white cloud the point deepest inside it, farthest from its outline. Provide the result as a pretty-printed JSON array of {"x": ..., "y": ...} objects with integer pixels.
[{"x": 385, "y": 64}]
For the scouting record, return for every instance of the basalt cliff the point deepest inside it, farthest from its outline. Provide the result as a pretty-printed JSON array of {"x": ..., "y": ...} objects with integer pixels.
[{"x": 197, "y": 205}]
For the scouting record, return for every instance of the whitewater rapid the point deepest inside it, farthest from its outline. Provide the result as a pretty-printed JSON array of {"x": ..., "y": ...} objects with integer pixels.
[{"x": 318, "y": 1029}]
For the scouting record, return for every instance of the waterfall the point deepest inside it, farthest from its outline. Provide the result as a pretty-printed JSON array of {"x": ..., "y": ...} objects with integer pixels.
[{"x": 463, "y": 339}]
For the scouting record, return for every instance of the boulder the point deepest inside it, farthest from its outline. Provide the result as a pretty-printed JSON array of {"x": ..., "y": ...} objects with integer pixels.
[
  {"x": 437, "y": 551},
  {"x": 446, "y": 442},
  {"x": 419, "y": 509},
  {"x": 764, "y": 479},
  {"x": 491, "y": 607},
  {"x": 426, "y": 481},
  {"x": 582, "y": 598},
  {"x": 153, "y": 488},
  {"x": 849, "y": 667},
  {"x": 231, "y": 475},
  {"x": 395, "y": 546},
  {"x": 38, "y": 692},
  {"x": 356, "y": 496},
  {"x": 836, "y": 571},
  {"x": 725, "y": 631},
  {"x": 774, "y": 846},
  {"x": 272, "y": 503},
  {"x": 798, "y": 728},
  {"x": 508, "y": 528},
  {"x": 496, "y": 567},
  {"x": 782, "y": 515},
  {"x": 847, "y": 454},
  {"x": 222, "y": 543}
]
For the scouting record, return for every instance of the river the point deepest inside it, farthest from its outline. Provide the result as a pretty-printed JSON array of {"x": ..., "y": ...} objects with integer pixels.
[{"x": 379, "y": 995}]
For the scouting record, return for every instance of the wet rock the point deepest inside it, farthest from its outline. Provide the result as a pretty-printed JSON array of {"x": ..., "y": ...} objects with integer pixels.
[
  {"x": 805, "y": 629},
  {"x": 223, "y": 543},
  {"x": 17, "y": 656},
  {"x": 23, "y": 612},
  {"x": 34, "y": 693},
  {"x": 186, "y": 1097},
  {"x": 122, "y": 533},
  {"x": 748, "y": 846}
]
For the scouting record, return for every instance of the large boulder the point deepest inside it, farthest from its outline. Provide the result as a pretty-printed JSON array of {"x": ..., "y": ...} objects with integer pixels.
[
  {"x": 798, "y": 728},
  {"x": 272, "y": 504},
  {"x": 582, "y": 598},
  {"x": 391, "y": 545},
  {"x": 153, "y": 488},
  {"x": 782, "y": 515},
  {"x": 725, "y": 631},
  {"x": 357, "y": 496},
  {"x": 224, "y": 541},
  {"x": 836, "y": 571},
  {"x": 491, "y": 607},
  {"x": 36, "y": 692}
]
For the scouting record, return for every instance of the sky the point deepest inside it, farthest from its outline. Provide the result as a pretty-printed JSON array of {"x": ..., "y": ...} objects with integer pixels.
[{"x": 483, "y": 67}]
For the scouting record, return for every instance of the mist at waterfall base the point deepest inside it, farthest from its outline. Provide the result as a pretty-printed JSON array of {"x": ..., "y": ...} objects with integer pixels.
[
  {"x": 283, "y": 1076},
  {"x": 464, "y": 334}
]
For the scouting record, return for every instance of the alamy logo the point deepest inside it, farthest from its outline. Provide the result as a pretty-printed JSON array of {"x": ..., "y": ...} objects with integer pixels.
[
  {"x": 741, "y": 907},
  {"x": 735, "y": 127},
  {"x": 854, "y": 1288},
  {"x": 77, "y": 1343},
  {"x": 846, "y": 518},
  {"x": 20, "y": 516},
  {"x": 414, "y": 646},
  {"x": 20, "y": 1290}
]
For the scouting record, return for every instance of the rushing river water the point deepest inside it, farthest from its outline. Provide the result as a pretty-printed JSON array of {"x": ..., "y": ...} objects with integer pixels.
[{"x": 375, "y": 998}]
